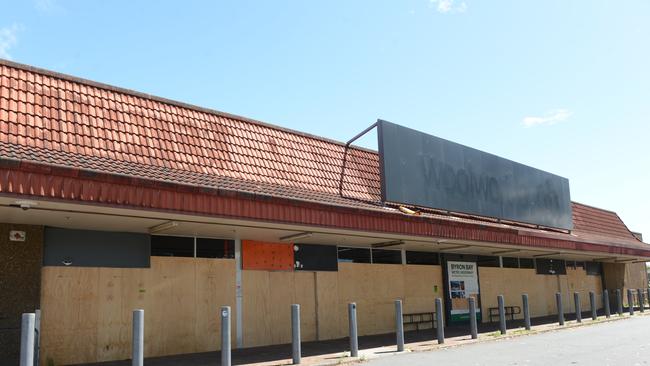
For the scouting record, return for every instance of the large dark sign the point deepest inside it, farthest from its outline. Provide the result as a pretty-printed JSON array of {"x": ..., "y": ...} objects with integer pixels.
[{"x": 427, "y": 171}]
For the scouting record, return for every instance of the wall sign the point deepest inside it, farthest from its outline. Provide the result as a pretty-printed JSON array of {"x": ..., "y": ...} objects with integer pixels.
[
  {"x": 463, "y": 284},
  {"x": 17, "y": 235},
  {"x": 427, "y": 171}
]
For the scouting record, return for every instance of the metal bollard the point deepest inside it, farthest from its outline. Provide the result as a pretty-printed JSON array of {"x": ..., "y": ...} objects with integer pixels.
[
  {"x": 472, "y": 318},
  {"x": 295, "y": 333},
  {"x": 641, "y": 301},
  {"x": 440, "y": 323},
  {"x": 502, "y": 314},
  {"x": 576, "y": 300},
  {"x": 560, "y": 308},
  {"x": 592, "y": 302},
  {"x": 619, "y": 302},
  {"x": 524, "y": 300},
  {"x": 37, "y": 337},
  {"x": 137, "y": 341},
  {"x": 399, "y": 326},
  {"x": 352, "y": 317},
  {"x": 630, "y": 301},
  {"x": 27, "y": 339},
  {"x": 225, "y": 336},
  {"x": 606, "y": 303}
]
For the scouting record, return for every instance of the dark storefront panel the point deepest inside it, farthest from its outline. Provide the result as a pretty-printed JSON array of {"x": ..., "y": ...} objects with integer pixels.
[
  {"x": 594, "y": 268},
  {"x": 551, "y": 266},
  {"x": 526, "y": 263},
  {"x": 425, "y": 258},
  {"x": 172, "y": 246},
  {"x": 510, "y": 262},
  {"x": 314, "y": 257},
  {"x": 353, "y": 255},
  {"x": 386, "y": 256},
  {"x": 215, "y": 248},
  {"x": 87, "y": 248}
]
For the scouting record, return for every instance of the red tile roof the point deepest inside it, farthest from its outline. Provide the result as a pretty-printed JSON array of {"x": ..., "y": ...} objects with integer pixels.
[{"x": 60, "y": 120}]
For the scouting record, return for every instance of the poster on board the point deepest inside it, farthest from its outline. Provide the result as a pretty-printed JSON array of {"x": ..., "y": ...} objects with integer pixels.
[{"x": 463, "y": 284}]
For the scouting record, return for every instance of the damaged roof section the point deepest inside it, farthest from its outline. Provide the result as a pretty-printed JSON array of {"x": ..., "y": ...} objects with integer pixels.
[{"x": 57, "y": 120}]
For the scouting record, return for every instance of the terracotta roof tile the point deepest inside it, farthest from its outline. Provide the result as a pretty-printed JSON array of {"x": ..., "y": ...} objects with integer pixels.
[{"x": 47, "y": 117}]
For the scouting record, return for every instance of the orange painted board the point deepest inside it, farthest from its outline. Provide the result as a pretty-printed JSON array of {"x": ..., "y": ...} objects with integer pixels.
[{"x": 259, "y": 255}]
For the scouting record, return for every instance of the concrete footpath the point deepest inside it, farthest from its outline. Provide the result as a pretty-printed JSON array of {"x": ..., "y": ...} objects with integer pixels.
[
  {"x": 608, "y": 343},
  {"x": 334, "y": 352}
]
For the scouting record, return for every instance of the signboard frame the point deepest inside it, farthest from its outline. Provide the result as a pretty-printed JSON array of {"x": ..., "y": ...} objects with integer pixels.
[{"x": 427, "y": 171}]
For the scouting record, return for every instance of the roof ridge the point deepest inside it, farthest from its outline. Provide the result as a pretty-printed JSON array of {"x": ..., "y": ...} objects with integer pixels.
[{"x": 117, "y": 89}]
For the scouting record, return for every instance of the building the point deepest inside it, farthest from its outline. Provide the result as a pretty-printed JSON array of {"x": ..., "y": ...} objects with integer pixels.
[{"x": 112, "y": 200}]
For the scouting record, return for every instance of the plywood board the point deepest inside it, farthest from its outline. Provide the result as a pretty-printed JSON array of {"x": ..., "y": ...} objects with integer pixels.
[{"x": 180, "y": 296}]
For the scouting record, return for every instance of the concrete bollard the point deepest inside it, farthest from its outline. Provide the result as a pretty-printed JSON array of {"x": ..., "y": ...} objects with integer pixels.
[
  {"x": 619, "y": 302},
  {"x": 524, "y": 300},
  {"x": 560, "y": 308},
  {"x": 399, "y": 326},
  {"x": 576, "y": 300},
  {"x": 295, "y": 333},
  {"x": 641, "y": 301},
  {"x": 606, "y": 303},
  {"x": 137, "y": 340},
  {"x": 592, "y": 303},
  {"x": 472, "y": 318},
  {"x": 352, "y": 317},
  {"x": 502, "y": 314},
  {"x": 440, "y": 323},
  {"x": 226, "y": 359},
  {"x": 630, "y": 301},
  {"x": 27, "y": 339}
]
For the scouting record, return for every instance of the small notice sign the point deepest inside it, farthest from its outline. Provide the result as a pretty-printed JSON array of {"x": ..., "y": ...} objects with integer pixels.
[{"x": 17, "y": 235}]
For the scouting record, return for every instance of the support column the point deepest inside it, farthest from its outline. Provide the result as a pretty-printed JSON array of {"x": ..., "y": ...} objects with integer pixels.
[{"x": 239, "y": 324}]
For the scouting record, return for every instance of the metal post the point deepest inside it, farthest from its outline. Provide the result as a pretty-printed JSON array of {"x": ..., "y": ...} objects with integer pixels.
[
  {"x": 472, "y": 318},
  {"x": 630, "y": 301},
  {"x": 502, "y": 314},
  {"x": 440, "y": 326},
  {"x": 619, "y": 302},
  {"x": 27, "y": 339},
  {"x": 641, "y": 301},
  {"x": 524, "y": 300},
  {"x": 592, "y": 302},
  {"x": 399, "y": 325},
  {"x": 137, "y": 341},
  {"x": 37, "y": 337},
  {"x": 295, "y": 333},
  {"x": 576, "y": 300},
  {"x": 352, "y": 317},
  {"x": 560, "y": 308},
  {"x": 606, "y": 303},
  {"x": 225, "y": 336}
]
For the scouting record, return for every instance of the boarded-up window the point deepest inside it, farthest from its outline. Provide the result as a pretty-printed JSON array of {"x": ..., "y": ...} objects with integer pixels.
[{"x": 267, "y": 256}]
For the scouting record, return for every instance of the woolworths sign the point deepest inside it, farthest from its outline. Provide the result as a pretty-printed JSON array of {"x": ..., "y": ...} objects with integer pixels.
[{"x": 463, "y": 284}]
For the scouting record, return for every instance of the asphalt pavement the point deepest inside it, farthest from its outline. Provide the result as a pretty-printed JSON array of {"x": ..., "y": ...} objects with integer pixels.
[{"x": 625, "y": 342}]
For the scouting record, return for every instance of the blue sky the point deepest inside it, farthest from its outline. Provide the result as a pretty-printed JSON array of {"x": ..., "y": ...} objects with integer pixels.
[{"x": 560, "y": 85}]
